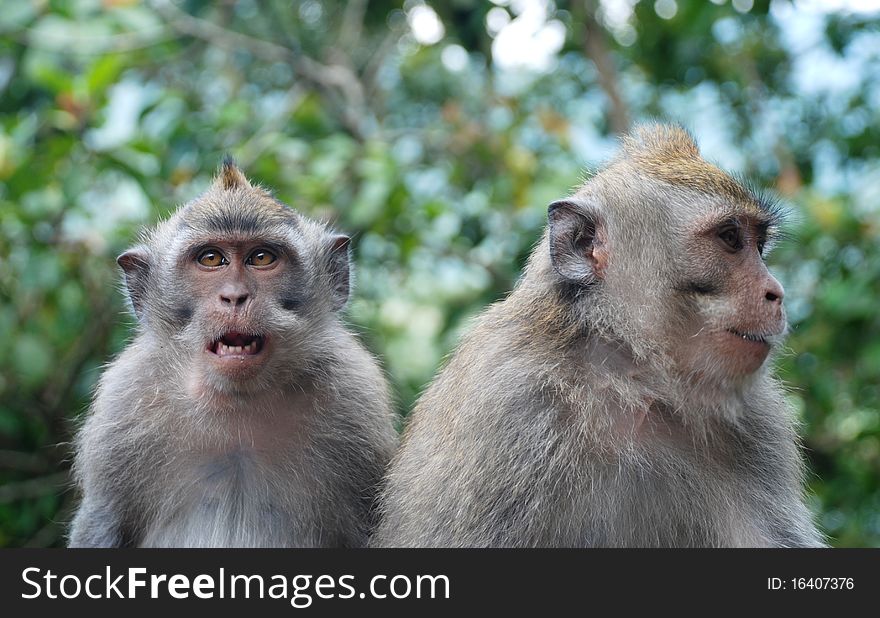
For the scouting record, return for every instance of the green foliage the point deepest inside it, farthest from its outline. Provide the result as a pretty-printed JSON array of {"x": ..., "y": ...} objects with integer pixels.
[
  {"x": 835, "y": 364},
  {"x": 441, "y": 163}
]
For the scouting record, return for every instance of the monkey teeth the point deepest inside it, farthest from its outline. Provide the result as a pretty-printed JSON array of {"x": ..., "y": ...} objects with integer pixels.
[
  {"x": 237, "y": 344},
  {"x": 235, "y": 350}
]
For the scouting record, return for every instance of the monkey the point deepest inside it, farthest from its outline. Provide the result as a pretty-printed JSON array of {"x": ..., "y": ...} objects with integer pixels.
[
  {"x": 620, "y": 395},
  {"x": 243, "y": 412}
]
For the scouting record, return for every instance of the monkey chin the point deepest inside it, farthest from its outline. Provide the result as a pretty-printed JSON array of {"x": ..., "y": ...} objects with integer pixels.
[
  {"x": 725, "y": 356},
  {"x": 745, "y": 352}
]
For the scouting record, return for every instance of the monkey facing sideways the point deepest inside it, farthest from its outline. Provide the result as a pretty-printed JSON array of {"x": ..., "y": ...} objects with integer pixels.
[
  {"x": 243, "y": 413},
  {"x": 620, "y": 396}
]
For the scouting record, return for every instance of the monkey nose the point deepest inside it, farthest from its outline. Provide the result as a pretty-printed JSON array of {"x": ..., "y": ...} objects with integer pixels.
[
  {"x": 774, "y": 292},
  {"x": 233, "y": 297}
]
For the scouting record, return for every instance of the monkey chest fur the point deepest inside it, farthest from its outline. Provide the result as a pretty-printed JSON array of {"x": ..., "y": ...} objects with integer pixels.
[
  {"x": 227, "y": 500},
  {"x": 247, "y": 486},
  {"x": 669, "y": 489},
  {"x": 694, "y": 507}
]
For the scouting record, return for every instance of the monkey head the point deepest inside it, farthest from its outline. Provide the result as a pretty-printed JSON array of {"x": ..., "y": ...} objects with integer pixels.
[
  {"x": 237, "y": 287},
  {"x": 665, "y": 253}
]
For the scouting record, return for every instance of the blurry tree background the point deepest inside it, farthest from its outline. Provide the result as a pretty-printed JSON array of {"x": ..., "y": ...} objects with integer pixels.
[{"x": 436, "y": 133}]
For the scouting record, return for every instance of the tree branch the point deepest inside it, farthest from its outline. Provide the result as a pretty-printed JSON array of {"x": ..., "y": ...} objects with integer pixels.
[
  {"x": 596, "y": 49},
  {"x": 253, "y": 147},
  {"x": 333, "y": 78},
  {"x": 32, "y": 488},
  {"x": 352, "y": 23},
  {"x": 24, "y": 462}
]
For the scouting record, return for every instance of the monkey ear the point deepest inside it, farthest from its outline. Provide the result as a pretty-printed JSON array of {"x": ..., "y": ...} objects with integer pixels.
[
  {"x": 577, "y": 241},
  {"x": 135, "y": 263},
  {"x": 230, "y": 177},
  {"x": 340, "y": 271}
]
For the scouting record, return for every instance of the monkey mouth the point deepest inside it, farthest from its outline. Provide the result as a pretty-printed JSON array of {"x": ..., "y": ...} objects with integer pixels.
[
  {"x": 753, "y": 337},
  {"x": 236, "y": 345}
]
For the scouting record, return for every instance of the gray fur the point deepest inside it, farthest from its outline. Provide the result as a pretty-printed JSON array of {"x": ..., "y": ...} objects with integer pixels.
[
  {"x": 562, "y": 421},
  {"x": 170, "y": 456}
]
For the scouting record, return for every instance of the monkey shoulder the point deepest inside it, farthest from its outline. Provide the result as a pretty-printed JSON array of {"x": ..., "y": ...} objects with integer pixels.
[
  {"x": 352, "y": 392},
  {"x": 124, "y": 388},
  {"x": 476, "y": 463},
  {"x": 482, "y": 416},
  {"x": 115, "y": 452}
]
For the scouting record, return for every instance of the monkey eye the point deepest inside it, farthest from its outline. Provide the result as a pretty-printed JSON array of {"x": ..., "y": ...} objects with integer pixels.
[
  {"x": 212, "y": 258},
  {"x": 765, "y": 236},
  {"x": 731, "y": 236},
  {"x": 261, "y": 257}
]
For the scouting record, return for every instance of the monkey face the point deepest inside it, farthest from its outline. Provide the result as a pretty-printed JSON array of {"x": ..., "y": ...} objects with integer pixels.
[
  {"x": 235, "y": 283},
  {"x": 239, "y": 286},
  {"x": 734, "y": 303},
  {"x": 259, "y": 301},
  {"x": 676, "y": 274}
]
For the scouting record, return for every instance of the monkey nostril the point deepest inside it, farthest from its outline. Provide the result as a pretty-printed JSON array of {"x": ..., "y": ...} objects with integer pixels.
[
  {"x": 773, "y": 291},
  {"x": 774, "y": 296},
  {"x": 236, "y": 300}
]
